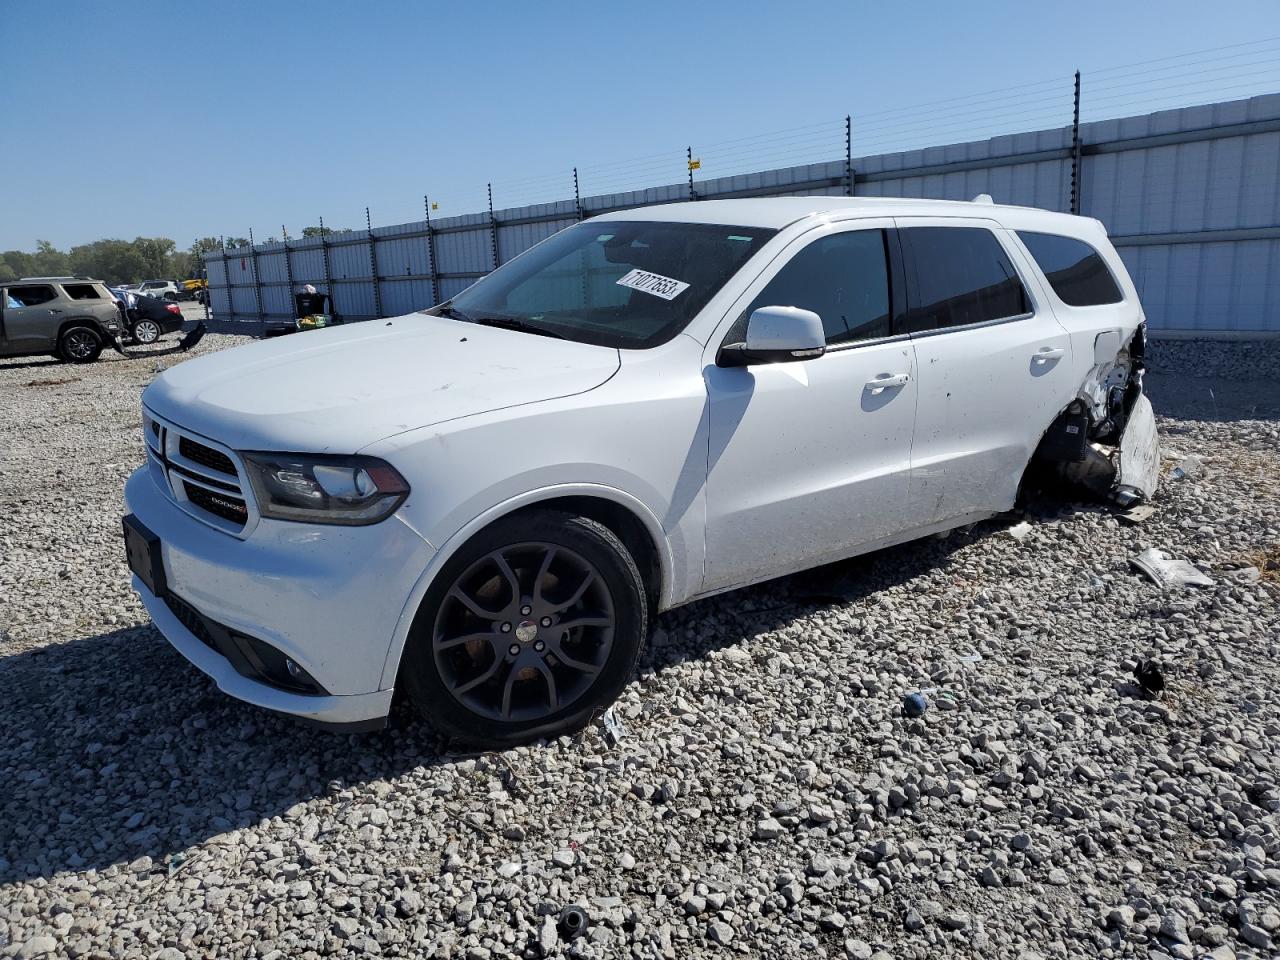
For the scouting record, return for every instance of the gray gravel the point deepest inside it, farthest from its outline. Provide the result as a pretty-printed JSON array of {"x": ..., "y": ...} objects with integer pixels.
[{"x": 769, "y": 797}]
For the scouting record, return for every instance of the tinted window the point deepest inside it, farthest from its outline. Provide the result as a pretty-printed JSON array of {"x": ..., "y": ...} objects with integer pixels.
[
  {"x": 32, "y": 296},
  {"x": 612, "y": 282},
  {"x": 843, "y": 278},
  {"x": 82, "y": 291},
  {"x": 961, "y": 275},
  {"x": 1074, "y": 269}
]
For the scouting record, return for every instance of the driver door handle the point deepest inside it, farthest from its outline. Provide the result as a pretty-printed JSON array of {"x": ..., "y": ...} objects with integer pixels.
[
  {"x": 881, "y": 384},
  {"x": 1045, "y": 354}
]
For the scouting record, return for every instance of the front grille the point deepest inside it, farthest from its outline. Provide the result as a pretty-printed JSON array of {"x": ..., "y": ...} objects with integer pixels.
[
  {"x": 203, "y": 479},
  {"x": 190, "y": 619},
  {"x": 206, "y": 456},
  {"x": 220, "y": 505}
]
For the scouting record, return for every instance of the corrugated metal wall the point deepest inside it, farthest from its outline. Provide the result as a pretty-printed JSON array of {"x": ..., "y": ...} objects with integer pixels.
[{"x": 1191, "y": 197}]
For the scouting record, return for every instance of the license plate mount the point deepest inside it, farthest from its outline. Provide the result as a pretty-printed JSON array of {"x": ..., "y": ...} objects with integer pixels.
[{"x": 142, "y": 550}]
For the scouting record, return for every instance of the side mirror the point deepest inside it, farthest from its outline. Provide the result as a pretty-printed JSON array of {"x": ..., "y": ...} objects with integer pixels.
[{"x": 777, "y": 335}]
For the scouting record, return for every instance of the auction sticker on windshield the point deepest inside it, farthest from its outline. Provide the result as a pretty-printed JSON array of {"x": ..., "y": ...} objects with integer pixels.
[{"x": 653, "y": 283}]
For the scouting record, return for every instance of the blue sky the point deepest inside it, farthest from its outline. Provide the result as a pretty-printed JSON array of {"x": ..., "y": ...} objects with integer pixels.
[{"x": 186, "y": 119}]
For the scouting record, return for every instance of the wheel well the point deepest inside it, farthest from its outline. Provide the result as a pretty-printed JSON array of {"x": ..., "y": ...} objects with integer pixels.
[
  {"x": 90, "y": 322},
  {"x": 624, "y": 525}
]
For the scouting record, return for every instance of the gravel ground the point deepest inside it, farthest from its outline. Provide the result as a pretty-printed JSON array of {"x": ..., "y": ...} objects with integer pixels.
[{"x": 769, "y": 798}]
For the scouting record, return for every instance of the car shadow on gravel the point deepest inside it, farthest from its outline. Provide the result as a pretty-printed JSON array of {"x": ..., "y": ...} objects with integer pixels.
[
  {"x": 27, "y": 364},
  {"x": 116, "y": 748}
]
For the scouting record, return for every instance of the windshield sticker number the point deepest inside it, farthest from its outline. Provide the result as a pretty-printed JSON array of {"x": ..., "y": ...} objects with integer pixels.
[{"x": 653, "y": 283}]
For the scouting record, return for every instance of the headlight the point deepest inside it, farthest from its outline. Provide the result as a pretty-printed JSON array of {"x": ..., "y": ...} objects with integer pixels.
[{"x": 322, "y": 489}]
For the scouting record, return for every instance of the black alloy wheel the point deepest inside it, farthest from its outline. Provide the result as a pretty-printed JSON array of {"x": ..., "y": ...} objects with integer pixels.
[{"x": 528, "y": 630}]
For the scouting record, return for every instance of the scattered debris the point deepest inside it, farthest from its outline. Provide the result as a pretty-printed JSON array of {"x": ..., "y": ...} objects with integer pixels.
[
  {"x": 1189, "y": 467},
  {"x": 1166, "y": 572},
  {"x": 615, "y": 731},
  {"x": 1150, "y": 677},
  {"x": 51, "y": 382},
  {"x": 1018, "y": 531},
  {"x": 1266, "y": 562},
  {"x": 1137, "y": 513},
  {"x": 915, "y": 704},
  {"x": 573, "y": 921}
]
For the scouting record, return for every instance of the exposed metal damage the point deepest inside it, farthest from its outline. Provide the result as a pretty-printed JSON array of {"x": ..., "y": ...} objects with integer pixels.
[{"x": 1106, "y": 440}]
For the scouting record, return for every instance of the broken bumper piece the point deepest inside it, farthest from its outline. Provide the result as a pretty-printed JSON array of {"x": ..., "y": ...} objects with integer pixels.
[{"x": 1128, "y": 472}]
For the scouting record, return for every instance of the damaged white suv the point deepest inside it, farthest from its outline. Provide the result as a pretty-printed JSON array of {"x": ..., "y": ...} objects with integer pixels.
[{"x": 484, "y": 504}]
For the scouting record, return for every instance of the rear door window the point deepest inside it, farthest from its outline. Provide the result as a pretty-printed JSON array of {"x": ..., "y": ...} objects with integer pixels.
[
  {"x": 34, "y": 295},
  {"x": 959, "y": 276},
  {"x": 843, "y": 278},
  {"x": 1076, "y": 271}
]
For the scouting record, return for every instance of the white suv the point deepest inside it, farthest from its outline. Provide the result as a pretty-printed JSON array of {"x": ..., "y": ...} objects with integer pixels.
[
  {"x": 161, "y": 289},
  {"x": 486, "y": 503}
]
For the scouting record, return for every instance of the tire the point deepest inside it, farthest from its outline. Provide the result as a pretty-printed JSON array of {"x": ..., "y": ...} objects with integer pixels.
[
  {"x": 79, "y": 343},
  {"x": 170, "y": 295},
  {"x": 146, "y": 331},
  {"x": 517, "y": 674}
]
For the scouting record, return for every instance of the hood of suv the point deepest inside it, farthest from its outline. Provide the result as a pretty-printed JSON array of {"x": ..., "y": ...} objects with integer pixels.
[{"x": 340, "y": 389}]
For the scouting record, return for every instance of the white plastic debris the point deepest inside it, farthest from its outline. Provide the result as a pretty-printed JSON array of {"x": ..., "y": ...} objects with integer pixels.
[
  {"x": 615, "y": 731},
  {"x": 1191, "y": 466},
  {"x": 1136, "y": 514},
  {"x": 1019, "y": 531},
  {"x": 1168, "y": 573}
]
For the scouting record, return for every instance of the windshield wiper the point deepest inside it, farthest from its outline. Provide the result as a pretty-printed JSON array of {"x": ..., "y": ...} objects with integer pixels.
[{"x": 514, "y": 323}]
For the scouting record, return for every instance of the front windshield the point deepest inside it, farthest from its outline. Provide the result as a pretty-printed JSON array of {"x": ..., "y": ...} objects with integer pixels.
[{"x": 614, "y": 283}]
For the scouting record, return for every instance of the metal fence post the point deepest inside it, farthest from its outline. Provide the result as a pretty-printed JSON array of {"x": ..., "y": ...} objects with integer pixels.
[
  {"x": 493, "y": 230},
  {"x": 693, "y": 195},
  {"x": 324, "y": 256},
  {"x": 577, "y": 197},
  {"x": 848, "y": 155},
  {"x": 1076, "y": 172},
  {"x": 204, "y": 265},
  {"x": 226, "y": 278},
  {"x": 288, "y": 267},
  {"x": 253, "y": 261},
  {"x": 373, "y": 263},
  {"x": 431, "y": 253}
]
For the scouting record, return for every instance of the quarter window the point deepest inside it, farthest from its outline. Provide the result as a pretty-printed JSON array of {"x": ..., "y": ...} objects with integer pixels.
[
  {"x": 82, "y": 291},
  {"x": 843, "y": 278},
  {"x": 1075, "y": 270},
  {"x": 961, "y": 276}
]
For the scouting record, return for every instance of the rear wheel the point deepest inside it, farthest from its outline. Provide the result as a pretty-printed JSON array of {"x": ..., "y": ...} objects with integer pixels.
[
  {"x": 146, "y": 331},
  {"x": 527, "y": 631},
  {"x": 79, "y": 344}
]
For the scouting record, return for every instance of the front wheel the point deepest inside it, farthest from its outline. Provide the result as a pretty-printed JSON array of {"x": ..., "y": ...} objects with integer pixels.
[
  {"x": 527, "y": 631},
  {"x": 146, "y": 331},
  {"x": 79, "y": 344}
]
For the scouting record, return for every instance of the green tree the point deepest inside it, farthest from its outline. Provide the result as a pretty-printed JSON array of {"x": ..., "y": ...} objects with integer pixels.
[
  {"x": 316, "y": 231},
  {"x": 49, "y": 261}
]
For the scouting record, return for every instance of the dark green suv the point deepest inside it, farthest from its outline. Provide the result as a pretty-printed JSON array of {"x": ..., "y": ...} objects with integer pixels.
[{"x": 72, "y": 318}]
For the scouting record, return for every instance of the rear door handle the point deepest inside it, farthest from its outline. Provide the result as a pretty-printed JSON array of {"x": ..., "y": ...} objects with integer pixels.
[
  {"x": 881, "y": 384},
  {"x": 51, "y": 310},
  {"x": 1045, "y": 354}
]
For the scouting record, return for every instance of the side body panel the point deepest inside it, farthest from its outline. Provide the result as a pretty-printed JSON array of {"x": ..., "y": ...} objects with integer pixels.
[
  {"x": 987, "y": 393},
  {"x": 639, "y": 440},
  {"x": 807, "y": 460},
  {"x": 30, "y": 330}
]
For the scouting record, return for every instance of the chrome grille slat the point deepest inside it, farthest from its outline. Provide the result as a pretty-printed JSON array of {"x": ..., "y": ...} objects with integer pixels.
[{"x": 204, "y": 478}]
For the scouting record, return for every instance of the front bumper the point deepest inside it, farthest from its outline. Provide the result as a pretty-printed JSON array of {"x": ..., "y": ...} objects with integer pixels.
[{"x": 329, "y": 598}]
